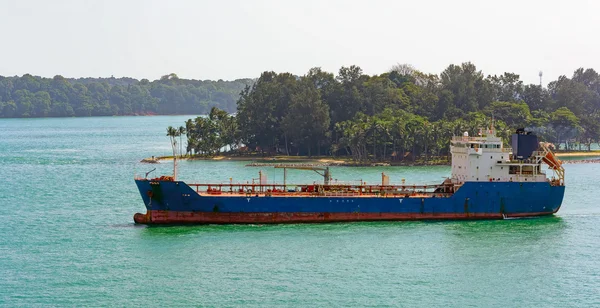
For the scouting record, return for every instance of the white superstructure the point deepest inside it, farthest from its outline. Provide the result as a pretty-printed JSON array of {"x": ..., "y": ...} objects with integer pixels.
[{"x": 485, "y": 159}]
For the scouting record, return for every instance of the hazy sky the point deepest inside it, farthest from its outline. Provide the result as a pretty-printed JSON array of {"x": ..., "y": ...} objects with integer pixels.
[{"x": 237, "y": 39}]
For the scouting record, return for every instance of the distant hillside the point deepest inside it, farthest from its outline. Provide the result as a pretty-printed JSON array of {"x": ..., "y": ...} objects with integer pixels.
[{"x": 33, "y": 96}]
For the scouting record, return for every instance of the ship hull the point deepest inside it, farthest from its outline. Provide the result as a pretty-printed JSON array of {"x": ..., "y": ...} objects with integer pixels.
[
  {"x": 177, "y": 217},
  {"x": 177, "y": 203}
]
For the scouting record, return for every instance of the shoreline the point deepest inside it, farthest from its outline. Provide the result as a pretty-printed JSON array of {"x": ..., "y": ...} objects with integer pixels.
[
  {"x": 593, "y": 153},
  {"x": 346, "y": 161},
  {"x": 256, "y": 161}
]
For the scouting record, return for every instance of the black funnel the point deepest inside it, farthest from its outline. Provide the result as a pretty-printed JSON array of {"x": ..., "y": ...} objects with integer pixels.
[{"x": 523, "y": 144}]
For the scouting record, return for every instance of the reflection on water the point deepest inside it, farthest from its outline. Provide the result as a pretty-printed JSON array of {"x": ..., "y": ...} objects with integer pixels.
[
  {"x": 545, "y": 223},
  {"x": 517, "y": 228}
]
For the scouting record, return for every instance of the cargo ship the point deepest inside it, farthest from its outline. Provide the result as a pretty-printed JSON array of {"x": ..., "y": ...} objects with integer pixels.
[{"x": 487, "y": 181}]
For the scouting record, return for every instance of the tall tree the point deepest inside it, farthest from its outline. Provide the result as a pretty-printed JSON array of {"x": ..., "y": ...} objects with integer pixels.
[
  {"x": 470, "y": 91},
  {"x": 307, "y": 121},
  {"x": 262, "y": 107},
  {"x": 565, "y": 124},
  {"x": 180, "y": 132},
  {"x": 172, "y": 134}
]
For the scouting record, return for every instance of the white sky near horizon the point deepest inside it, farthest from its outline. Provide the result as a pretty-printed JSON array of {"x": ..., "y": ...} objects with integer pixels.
[{"x": 232, "y": 39}]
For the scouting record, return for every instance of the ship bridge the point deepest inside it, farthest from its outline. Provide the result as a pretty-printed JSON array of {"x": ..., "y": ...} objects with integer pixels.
[{"x": 484, "y": 158}]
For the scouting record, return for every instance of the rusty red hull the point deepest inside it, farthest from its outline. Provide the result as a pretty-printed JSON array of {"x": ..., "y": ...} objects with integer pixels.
[{"x": 177, "y": 217}]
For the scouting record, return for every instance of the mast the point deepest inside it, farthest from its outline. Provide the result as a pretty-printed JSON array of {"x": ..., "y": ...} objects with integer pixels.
[
  {"x": 175, "y": 168},
  {"x": 174, "y": 144}
]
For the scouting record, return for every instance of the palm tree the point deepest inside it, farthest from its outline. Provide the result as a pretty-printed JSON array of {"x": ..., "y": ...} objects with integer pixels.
[
  {"x": 181, "y": 131},
  {"x": 412, "y": 130},
  {"x": 399, "y": 138},
  {"x": 172, "y": 133},
  {"x": 426, "y": 135},
  {"x": 189, "y": 130}
]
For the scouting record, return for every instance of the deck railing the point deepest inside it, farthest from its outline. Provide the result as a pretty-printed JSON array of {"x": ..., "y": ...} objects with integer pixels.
[{"x": 444, "y": 190}]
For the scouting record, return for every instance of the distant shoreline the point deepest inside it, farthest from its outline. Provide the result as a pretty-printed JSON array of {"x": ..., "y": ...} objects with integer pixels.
[{"x": 110, "y": 116}]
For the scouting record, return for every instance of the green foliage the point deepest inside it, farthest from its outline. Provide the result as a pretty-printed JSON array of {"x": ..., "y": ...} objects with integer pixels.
[
  {"x": 537, "y": 98},
  {"x": 565, "y": 118},
  {"x": 507, "y": 87},
  {"x": 172, "y": 133},
  {"x": 590, "y": 126},
  {"x": 513, "y": 114},
  {"x": 210, "y": 135},
  {"x": 403, "y": 114},
  {"x": 306, "y": 122},
  {"x": 563, "y": 125},
  {"x": 398, "y": 115},
  {"x": 262, "y": 107},
  {"x": 470, "y": 91},
  {"x": 60, "y": 97}
]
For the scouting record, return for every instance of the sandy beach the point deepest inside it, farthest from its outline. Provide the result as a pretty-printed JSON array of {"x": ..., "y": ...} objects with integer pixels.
[{"x": 579, "y": 154}]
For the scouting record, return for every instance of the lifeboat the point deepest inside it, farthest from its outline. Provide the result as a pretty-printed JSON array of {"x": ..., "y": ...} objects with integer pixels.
[{"x": 552, "y": 161}]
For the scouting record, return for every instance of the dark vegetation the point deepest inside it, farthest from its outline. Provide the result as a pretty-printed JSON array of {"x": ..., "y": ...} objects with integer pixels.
[
  {"x": 31, "y": 96},
  {"x": 400, "y": 115}
]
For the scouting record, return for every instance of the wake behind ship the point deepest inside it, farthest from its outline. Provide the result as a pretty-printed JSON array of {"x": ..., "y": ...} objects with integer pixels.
[{"x": 488, "y": 181}]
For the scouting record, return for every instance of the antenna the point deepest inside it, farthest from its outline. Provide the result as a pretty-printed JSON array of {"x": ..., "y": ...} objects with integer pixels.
[{"x": 540, "y": 74}]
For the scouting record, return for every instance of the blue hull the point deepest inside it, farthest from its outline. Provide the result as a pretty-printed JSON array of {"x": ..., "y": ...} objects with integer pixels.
[{"x": 176, "y": 202}]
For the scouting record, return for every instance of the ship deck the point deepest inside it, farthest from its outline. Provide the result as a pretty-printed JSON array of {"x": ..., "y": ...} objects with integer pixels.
[{"x": 316, "y": 190}]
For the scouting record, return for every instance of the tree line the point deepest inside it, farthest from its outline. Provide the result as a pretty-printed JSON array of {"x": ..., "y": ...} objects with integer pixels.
[
  {"x": 397, "y": 115},
  {"x": 32, "y": 96}
]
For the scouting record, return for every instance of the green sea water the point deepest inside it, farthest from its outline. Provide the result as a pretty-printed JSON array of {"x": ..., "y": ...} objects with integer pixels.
[{"x": 67, "y": 236}]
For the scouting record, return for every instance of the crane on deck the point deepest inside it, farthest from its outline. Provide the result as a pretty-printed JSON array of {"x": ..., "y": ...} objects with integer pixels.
[{"x": 322, "y": 170}]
